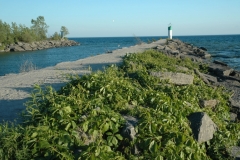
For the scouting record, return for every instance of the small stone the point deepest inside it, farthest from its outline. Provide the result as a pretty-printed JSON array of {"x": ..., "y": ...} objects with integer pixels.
[
  {"x": 233, "y": 117},
  {"x": 208, "y": 103},
  {"x": 235, "y": 152}
]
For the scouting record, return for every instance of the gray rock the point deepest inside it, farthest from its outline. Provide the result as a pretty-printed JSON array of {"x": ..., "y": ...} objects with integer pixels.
[
  {"x": 86, "y": 138},
  {"x": 19, "y": 43},
  {"x": 233, "y": 78},
  {"x": 207, "y": 55},
  {"x": 233, "y": 117},
  {"x": 210, "y": 78},
  {"x": 129, "y": 129},
  {"x": 208, "y": 103},
  {"x": 47, "y": 46},
  {"x": 173, "y": 46},
  {"x": 219, "y": 62},
  {"x": 7, "y": 50},
  {"x": 167, "y": 48},
  {"x": 160, "y": 47},
  {"x": 183, "y": 49},
  {"x": 33, "y": 45},
  {"x": 205, "y": 80},
  {"x": 16, "y": 49},
  {"x": 236, "y": 73},
  {"x": 180, "y": 68},
  {"x": 202, "y": 126},
  {"x": 175, "y": 78},
  {"x": 235, "y": 103},
  {"x": 202, "y": 48},
  {"x": 27, "y": 47},
  {"x": 175, "y": 52},
  {"x": 51, "y": 42},
  {"x": 220, "y": 70},
  {"x": 40, "y": 48},
  {"x": 235, "y": 152}
]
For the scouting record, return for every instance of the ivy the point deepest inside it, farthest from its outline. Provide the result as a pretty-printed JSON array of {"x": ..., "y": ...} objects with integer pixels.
[{"x": 84, "y": 120}]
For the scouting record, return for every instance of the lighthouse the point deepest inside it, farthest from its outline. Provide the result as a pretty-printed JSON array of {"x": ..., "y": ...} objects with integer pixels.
[{"x": 170, "y": 31}]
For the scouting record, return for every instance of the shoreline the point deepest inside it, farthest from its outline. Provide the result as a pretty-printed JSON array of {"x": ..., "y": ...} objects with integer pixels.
[
  {"x": 15, "y": 89},
  {"x": 40, "y": 45}
]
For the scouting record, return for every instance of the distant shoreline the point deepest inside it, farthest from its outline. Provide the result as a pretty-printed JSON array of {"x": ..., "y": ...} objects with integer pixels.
[
  {"x": 39, "y": 45},
  {"x": 164, "y": 36}
]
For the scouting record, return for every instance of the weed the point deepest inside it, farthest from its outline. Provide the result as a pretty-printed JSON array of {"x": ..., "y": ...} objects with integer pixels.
[
  {"x": 27, "y": 66},
  {"x": 138, "y": 40},
  {"x": 84, "y": 119}
]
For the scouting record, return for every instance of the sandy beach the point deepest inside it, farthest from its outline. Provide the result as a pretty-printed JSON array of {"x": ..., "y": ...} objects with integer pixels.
[{"x": 15, "y": 89}]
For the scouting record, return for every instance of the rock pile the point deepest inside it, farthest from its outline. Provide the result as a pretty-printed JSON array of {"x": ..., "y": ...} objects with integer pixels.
[
  {"x": 21, "y": 46},
  {"x": 219, "y": 74},
  {"x": 180, "y": 49}
]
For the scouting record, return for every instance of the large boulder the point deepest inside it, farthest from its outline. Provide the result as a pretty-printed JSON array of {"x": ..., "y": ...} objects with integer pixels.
[
  {"x": 202, "y": 126},
  {"x": 16, "y": 49},
  {"x": 33, "y": 46},
  {"x": 19, "y": 43},
  {"x": 203, "y": 48},
  {"x": 27, "y": 47},
  {"x": 201, "y": 53},
  {"x": 175, "y": 78},
  {"x": 210, "y": 78},
  {"x": 220, "y": 70},
  {"x": 219, "y": 62}
]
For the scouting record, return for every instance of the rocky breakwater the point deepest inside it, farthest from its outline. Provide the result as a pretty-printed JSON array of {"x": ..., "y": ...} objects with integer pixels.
[
  {"x": 218, "y": 74},
  {"x": 180, "y": 49},
  {"x": 21, "y": 46}
]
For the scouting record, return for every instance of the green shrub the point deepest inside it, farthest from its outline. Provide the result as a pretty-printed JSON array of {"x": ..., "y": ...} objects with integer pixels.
[{"x": 84, "y": 119}]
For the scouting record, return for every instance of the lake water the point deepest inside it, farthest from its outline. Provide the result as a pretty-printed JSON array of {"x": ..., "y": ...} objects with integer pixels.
[{"x": 225, "y": 48}]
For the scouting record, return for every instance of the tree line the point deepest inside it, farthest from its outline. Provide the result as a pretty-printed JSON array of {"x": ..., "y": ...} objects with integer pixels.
[{"x": 20, "y": 33}]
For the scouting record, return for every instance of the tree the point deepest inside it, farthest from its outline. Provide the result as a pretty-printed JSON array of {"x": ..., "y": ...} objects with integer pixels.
[
  {"x": 40, "y": 28},
  {"x": 5, "y": 33},
  {"x": 56, "y": 36},
  {"x": 64, "y": 30}
]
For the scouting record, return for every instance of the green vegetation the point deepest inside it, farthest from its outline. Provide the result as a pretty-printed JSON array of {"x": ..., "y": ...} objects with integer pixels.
[
  {"x": 64, "y": 30},
  {"x": 84, "y": 119},
  {"x": 27, "y": 66},
  {"x": 39, "y": 27},
  {"x": 13, "y": 33},
  {"x": 57, "y": 36}
]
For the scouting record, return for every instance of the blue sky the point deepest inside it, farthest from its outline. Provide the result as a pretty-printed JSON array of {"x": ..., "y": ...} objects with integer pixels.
[{"x": 110, "y": 18}]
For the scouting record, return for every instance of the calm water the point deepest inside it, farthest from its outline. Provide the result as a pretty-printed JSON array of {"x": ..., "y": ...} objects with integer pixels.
[{"x": 225, "y": 48}]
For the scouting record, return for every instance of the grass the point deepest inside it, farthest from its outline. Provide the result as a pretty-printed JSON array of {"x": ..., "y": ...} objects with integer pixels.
[
  {"x": 84, "y": 120},
  {"x": 27, "y": 66}
]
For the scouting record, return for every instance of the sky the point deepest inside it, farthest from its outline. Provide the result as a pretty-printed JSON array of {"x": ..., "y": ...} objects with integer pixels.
[{"x": 121, "y": 18}]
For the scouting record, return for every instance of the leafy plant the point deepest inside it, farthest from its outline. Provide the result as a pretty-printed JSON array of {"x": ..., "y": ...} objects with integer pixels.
[{"x": 85, "y": 119}]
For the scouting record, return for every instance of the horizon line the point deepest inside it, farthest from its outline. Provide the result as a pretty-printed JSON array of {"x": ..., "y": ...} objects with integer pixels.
[{"x": 156, "y": 36}]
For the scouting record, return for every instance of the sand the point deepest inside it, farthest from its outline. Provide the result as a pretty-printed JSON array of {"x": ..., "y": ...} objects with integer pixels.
[{"x": 15, "y": 89}]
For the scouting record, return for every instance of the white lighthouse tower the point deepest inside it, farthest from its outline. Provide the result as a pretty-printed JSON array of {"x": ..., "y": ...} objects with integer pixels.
[{"x": 170, "y": 31}]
